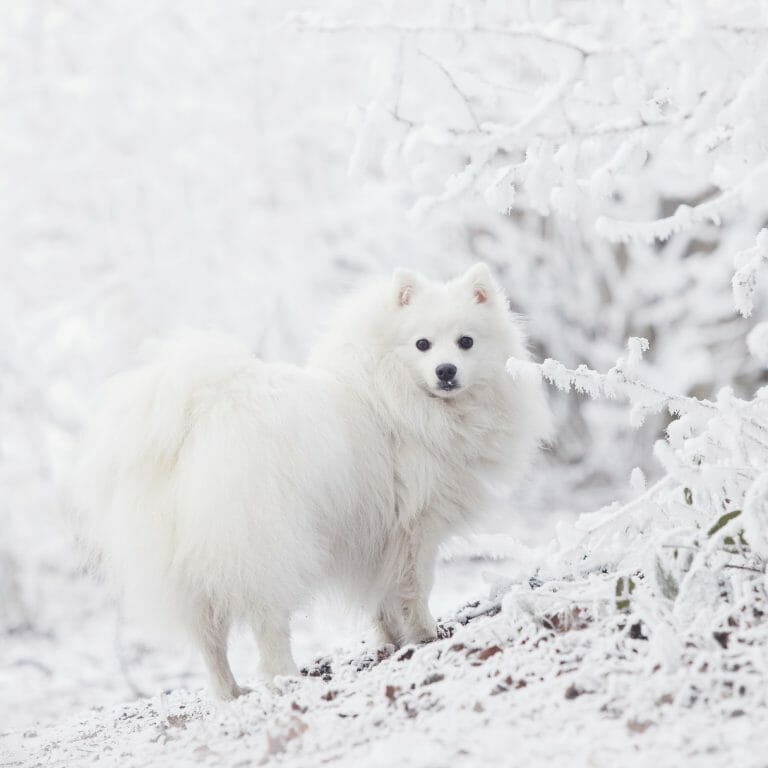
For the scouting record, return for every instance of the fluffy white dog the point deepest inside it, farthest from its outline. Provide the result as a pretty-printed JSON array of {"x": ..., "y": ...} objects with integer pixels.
[{"x": 215, "y": 488}]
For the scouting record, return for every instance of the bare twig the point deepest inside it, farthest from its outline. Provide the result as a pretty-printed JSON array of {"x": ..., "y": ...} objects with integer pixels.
[
  {"x": 454, "y": 86},
  {"x": 305, "y": 21}
]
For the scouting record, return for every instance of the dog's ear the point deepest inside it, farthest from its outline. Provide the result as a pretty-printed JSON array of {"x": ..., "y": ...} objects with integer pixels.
[
  {"x": 406, "y": 284},
  {"x": 479, "y": 277}
]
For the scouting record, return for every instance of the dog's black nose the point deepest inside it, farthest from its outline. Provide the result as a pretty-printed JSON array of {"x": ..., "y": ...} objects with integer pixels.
[{"x": 446, "y": 372}]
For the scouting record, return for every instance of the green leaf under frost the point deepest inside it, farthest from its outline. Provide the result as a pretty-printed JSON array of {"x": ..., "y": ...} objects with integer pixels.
[
  {"x": 667, "y": 582},
  {"x": 722, "y": 520},
  {"x": 622, "y": 598}
]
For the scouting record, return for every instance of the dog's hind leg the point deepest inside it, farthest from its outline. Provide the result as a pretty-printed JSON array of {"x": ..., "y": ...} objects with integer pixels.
[
  {"x": 273, "y": 637},
  {"x": 213, "y": 634}
]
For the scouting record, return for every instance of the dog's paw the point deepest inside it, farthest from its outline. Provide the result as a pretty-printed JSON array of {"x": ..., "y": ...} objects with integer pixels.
[
  {"x": 281, "y": 684},
  {"x": 421, "y": 635},
  {"x": 232, "y": 693}
]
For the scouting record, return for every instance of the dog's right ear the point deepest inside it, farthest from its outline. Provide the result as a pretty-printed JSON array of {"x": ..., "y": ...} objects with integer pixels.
[{"x": 406, "y": 283}]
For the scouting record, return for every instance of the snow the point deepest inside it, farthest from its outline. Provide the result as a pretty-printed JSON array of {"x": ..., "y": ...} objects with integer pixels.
[
  {"x": 238, "y": 167},
  {"x": 744, "y": 281},
  {"x": 533, "y": 680},
  {"x": 537, "y": 680}
]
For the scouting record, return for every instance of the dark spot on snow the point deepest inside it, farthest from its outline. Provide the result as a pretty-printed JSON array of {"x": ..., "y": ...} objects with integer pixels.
[
  {"x": 507, "y": 683},
  {"x": 444, "y": 631},
  {"x": 391, "y": 692},
  {"x": 573, "y": 691},
  {"x": 475, "y": 610},
  {"x": 298, "y": 708},
  {"x": 457, "y": 647},
  {"x": 433, "y": 678},
  {"x": 636, "y": 631},
  {"x": 486, "y": 653},
  {"x": 639, "y": 726},
  {"x": 406, "y": 654},
  {"x": 329, "y": 695},
  {"x": 722, "y": 638},
  {"x": 369, "y": 661},
  {"x": 321, "y": 668},
  {"x": 178, "y": 721}
]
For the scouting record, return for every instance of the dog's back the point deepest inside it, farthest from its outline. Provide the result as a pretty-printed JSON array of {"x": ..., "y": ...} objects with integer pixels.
[{"x": 209, "y": 475}]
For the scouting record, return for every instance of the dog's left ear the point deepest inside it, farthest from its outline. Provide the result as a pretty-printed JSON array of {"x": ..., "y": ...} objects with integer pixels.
[
  {"x": 483, "y": 285},
  {"x": 406, "y": 284}
]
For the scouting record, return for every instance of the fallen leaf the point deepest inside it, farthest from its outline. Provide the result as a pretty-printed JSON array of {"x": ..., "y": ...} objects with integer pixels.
[
  {"x": 572, "y": 691},
  {"x": 639, "y": 726},
  {"x": 488, "y": 652}
]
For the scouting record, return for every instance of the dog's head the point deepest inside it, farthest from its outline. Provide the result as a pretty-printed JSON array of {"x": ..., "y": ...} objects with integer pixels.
[{"x": 452, "y": 335}]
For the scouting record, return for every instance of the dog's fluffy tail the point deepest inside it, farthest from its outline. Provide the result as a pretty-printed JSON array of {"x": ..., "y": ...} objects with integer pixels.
[{"x": 121, "y": 497}]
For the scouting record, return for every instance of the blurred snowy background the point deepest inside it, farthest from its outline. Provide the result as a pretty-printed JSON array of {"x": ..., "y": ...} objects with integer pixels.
[{"x": 238, "y": 165}]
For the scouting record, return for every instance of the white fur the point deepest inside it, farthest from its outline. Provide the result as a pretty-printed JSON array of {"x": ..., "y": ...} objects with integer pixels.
[{"x": 214, "y": 488}]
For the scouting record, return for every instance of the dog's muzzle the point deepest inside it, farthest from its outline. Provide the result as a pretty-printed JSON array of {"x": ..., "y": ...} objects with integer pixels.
[{"x": 446, "y": 376}]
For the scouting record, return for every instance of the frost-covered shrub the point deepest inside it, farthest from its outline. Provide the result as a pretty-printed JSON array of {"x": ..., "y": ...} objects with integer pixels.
[{"x": 689, "y": 553}]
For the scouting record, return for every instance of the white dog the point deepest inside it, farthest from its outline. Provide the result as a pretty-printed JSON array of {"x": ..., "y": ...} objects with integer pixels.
[{"x": 214, "y": 488}]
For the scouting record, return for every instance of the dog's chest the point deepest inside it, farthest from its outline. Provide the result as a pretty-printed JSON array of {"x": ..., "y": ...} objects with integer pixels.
[{"x": 440, "y": 470}]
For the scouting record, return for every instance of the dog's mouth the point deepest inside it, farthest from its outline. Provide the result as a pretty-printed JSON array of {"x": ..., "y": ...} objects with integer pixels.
[{"x": 443, "y": 388}]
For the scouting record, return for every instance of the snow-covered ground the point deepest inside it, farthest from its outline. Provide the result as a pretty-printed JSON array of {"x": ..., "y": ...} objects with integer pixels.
[
  {"x": 513, "y": 685},
  {"x": 237, "y": 166}
]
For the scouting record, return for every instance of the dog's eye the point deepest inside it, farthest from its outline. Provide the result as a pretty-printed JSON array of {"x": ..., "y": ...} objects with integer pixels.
[
  {"x": 465, "y": 342},
  {"x": 423, "y": 345}
]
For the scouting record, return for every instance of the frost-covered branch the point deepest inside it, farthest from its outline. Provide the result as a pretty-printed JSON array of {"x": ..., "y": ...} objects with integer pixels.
[
  {"x": 315, "y": 23},
  {"x": 744, "y": 281},
  {"x": 686, "y": 216}
]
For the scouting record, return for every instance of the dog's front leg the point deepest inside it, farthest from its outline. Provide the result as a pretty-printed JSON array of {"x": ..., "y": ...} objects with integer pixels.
[
  {"x": 273, "y": 637},
  {"x": 419, "y": 625}
]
